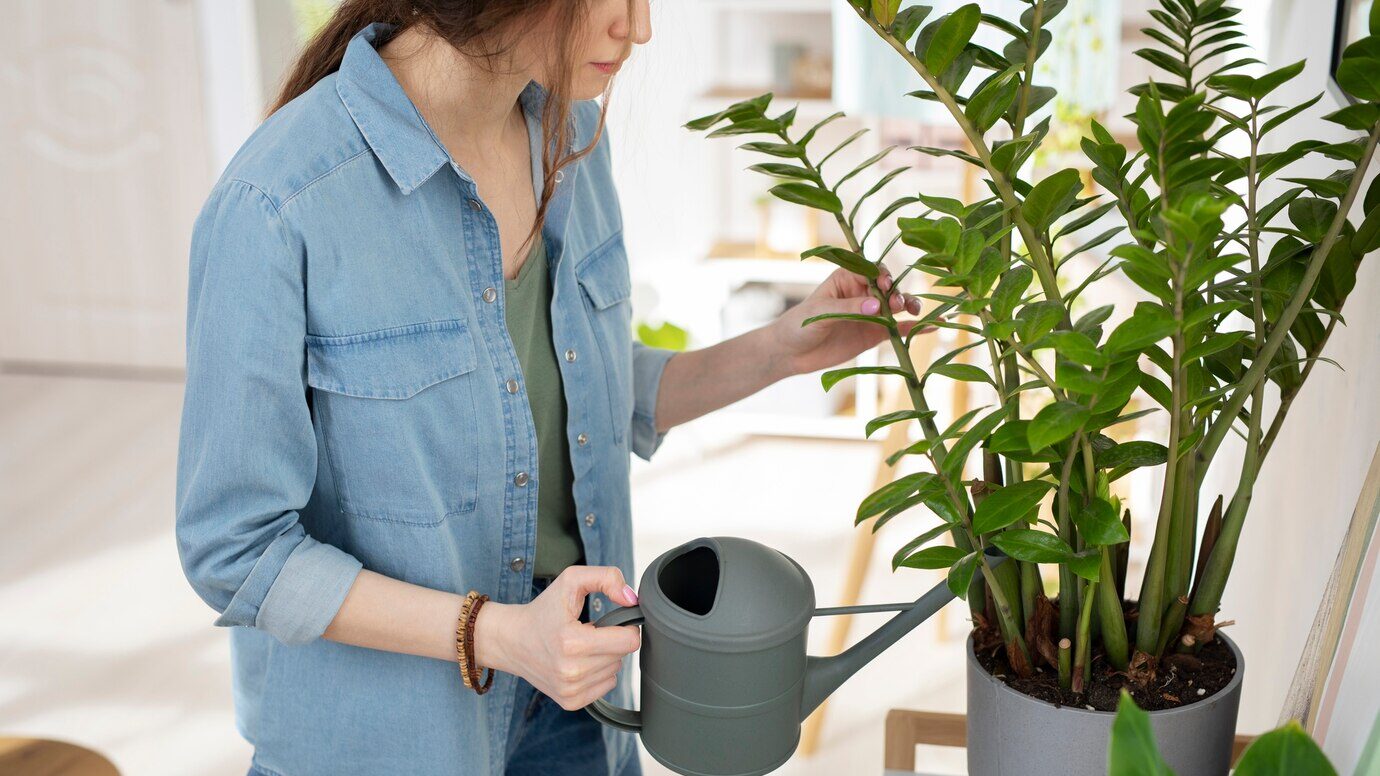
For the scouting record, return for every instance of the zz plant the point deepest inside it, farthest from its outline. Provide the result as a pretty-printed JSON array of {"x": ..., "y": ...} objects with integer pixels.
[{"x": 1244, "y": 271}]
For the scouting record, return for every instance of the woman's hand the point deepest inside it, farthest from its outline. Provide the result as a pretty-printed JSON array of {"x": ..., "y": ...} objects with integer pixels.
[
  {"x": 827, "y": 343},
  {"x": 545, "y": 643}
]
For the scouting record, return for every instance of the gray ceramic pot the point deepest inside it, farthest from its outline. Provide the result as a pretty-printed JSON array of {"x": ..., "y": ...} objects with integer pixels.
[{"x": 1030, "y": 737}]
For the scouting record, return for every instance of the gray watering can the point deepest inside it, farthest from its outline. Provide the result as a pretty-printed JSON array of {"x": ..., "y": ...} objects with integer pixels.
[{"x": 725, "y": 678}]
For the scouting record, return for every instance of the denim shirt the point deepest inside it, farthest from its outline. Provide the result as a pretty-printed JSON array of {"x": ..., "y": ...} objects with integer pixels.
[{"x": 347, "y": 406}]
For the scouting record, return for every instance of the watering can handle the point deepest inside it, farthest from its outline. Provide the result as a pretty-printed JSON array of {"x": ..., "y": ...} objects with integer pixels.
[{"x": 607, "y": 713}]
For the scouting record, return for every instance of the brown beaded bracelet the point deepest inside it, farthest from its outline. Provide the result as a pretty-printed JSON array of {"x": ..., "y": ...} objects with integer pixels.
[
  {"x": 461, "y": 634},
  {"x": 472, "y": 664}
]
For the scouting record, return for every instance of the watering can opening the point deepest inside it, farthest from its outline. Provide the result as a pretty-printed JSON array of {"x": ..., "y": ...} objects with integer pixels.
[{"x": 690, "y": 581}]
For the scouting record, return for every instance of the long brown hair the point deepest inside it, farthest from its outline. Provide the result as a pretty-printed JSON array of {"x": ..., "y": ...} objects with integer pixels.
[{"x": 478, "y": 28}]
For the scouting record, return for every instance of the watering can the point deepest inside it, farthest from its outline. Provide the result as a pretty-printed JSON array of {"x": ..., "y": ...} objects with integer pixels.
[{"x": 725, "y": 678}]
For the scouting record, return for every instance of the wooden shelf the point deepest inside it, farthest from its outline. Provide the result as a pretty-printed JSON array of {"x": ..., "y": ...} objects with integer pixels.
[{"x": 774, "y": 6}]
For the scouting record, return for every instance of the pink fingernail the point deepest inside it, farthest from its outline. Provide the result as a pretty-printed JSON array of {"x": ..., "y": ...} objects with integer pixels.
[
  {"x": 629, "y": 593},
  {"x": 884, "y": 282},
  {"x": 871, "y": 306}
]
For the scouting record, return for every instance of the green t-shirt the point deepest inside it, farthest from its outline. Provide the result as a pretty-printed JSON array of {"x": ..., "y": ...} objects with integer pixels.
[{"x": 527, "y": 300}]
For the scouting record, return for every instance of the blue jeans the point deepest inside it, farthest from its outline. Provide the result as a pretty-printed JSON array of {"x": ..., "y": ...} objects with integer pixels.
[{"x": 546, "y": 740}]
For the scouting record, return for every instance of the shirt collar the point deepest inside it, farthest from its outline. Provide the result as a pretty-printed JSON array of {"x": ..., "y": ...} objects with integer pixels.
[{"x": 390, "y": 123}]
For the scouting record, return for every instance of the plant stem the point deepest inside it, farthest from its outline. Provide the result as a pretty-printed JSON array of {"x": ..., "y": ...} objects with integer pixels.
[
  {"x": 1261, "y": 365},
  {"x": 963, "y": 537},
  {"x": 1065, "y": 663},
  {"x": 1082, "y": 668},
  {"x": 1040, "y": 260},
  {"x": 1068, "y": 581},
  {"x": 1032, "y": 51},
  {"x": 1110, "y": 614},
  {"x": 1209, "y": 597},
  {"x": 1152, "y": 584}
]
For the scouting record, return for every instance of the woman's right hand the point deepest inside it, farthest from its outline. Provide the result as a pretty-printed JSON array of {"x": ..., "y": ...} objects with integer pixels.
[{"x": 544, "y": 642}]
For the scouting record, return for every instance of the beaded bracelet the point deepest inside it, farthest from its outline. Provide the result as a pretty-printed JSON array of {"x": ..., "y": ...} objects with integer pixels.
[
  {"x": 464, "y": 643},
  {"x": 473, "y": 665},
  {"x": 461, "y": 622}
]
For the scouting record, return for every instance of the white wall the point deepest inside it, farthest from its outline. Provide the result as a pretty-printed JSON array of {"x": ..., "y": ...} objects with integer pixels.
[{"x": 1309, "y": 485}]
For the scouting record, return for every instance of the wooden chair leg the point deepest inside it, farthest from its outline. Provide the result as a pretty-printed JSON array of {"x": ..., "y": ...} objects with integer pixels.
[{"x": 859, "y": 559}]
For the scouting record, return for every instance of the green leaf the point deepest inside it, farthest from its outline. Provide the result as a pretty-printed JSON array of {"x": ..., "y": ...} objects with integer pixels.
[
  {"x": 938, "y": 557},
  {"x": 1038, "y": 319},
  {"x": 1087, "y": 564},
  {"x": 849, "y": 260},
  {"x": 1359, "y": 72},
  {"x": 833, "y": 376},
  {"x": 808, "y": 195},
  {"x": 1074, "y": 346},
  {"x": 779, "y": 170},
  {"x": 1051, "y": 198},
  {"x": 950, "y": 38},
  {"x": 952, "y": 462},
  {"x": 749, "y": 108},
  {"x": 921, "y": 540},
  {"x": 1286, "y": 751},
  {"x": 894, "y": 492},
  {"x": 964, "y": 372},
  {"x": 1098, "y": 523},
  {"x": 1009, "y": 290},
  {"x": 884, "y": 11},
  {"x": 1246, "y": 88},
  {"x": 1312, "y": 216},
  {"x": 1033, "y": 546},
  {"x": 882, "y": 421},
  {"x": 1133, "y": 454},
  {"x": 774, "y": 149},
  {"x": 1056, "y": 423},
  {"x": 880, "y": 321},
  {"x": 1006, "y": 505},
  {"x": 993, "y": 99},
  {"x": 1213, "y": 344},
  {"x": 961, "y": 575},
  {"x": 908, "y": 21},
  {"x": 1361, "y": 116},
  {"x": 1132, "y": 750},
  {"x": 1144, "y": 328}
]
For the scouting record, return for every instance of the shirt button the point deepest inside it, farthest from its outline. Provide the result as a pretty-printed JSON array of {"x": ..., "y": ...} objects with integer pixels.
[
  {"x": 582, "y": 438},
  {"x": 474, "y": 204},
  {"x": 517, "y": 564},
  {"x": 570, "y": 354},
  {"x": 512, "y": 386},
  {"x": 560, "y": 175},
  {"x": 490, "y": 295},
  {"x": 597, "y": 605},
  {"x": 589, "y": 519},
  {"x": 521, "y": 479}
]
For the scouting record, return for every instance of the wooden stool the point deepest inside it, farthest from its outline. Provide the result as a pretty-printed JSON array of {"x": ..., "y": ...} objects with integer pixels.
[{"x": 40, "y": 757}]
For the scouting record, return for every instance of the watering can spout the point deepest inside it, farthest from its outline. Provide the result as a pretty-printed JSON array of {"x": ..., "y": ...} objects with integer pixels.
[{"x": 823, "y": 675}]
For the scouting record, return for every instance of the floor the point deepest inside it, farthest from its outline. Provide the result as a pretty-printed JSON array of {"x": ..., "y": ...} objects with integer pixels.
[{"x": 103, "y": 643}]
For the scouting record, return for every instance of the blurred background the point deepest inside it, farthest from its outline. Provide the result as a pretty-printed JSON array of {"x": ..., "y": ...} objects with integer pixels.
[{"x": 118, "y": 115}]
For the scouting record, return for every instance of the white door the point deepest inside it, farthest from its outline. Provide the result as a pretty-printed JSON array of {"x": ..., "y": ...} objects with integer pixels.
[{"x": 104, "y": 163}]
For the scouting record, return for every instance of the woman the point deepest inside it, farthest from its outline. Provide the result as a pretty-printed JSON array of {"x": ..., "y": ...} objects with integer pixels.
[{"x": 410, "y": 376}]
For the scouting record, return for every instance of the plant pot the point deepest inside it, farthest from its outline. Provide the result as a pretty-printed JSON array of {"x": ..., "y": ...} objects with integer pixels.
[{"x": 1019, "y": 735}]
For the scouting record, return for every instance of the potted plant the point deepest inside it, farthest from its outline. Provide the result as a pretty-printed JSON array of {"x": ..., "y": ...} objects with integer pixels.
[{"x": 1242, "y": 272}]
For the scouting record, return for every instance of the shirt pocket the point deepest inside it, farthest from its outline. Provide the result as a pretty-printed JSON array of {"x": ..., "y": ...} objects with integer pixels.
[
  {"x": 397, "y": 414},
  {"x": 603, "y": 276}
]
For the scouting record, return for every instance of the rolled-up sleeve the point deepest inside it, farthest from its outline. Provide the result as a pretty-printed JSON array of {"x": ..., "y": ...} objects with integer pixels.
[
  {"x": 247, "y": 454},
  {"x": 648, "y": 365}
]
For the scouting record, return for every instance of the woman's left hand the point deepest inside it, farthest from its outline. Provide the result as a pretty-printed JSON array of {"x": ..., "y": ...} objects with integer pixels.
[{"x": 826, "y": 343}]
